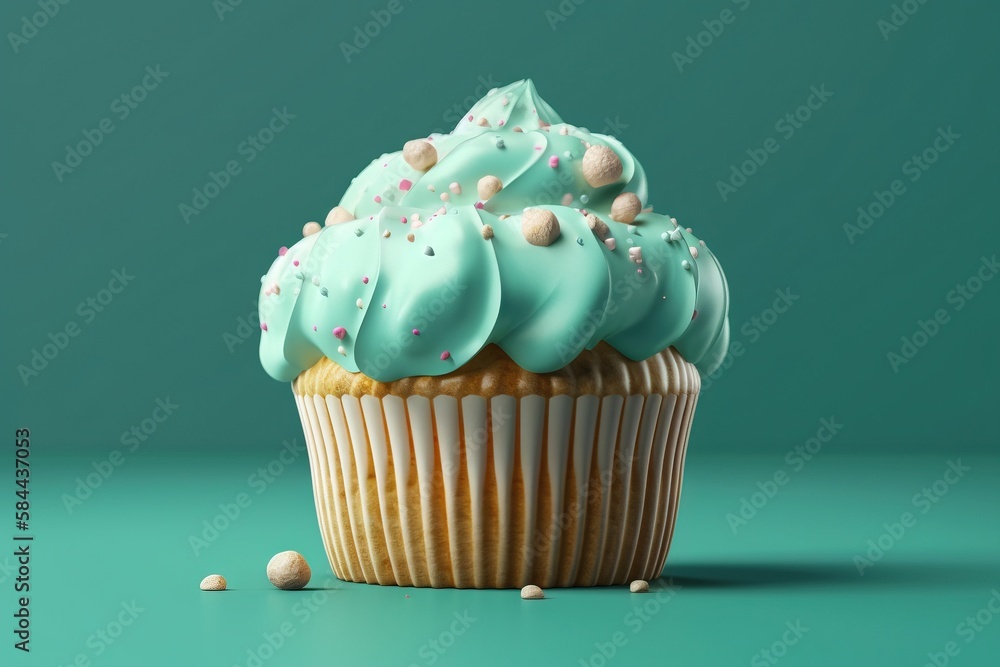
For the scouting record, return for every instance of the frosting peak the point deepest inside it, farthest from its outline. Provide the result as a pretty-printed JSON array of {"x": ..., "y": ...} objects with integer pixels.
[{"x": 515, "y": 229}]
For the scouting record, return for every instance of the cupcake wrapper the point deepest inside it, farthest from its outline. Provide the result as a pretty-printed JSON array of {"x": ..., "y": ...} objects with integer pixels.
[{"x": 498, "y": 492}]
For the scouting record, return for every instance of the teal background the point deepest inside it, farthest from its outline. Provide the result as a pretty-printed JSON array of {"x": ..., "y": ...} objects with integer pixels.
[{"x": 608, "y": 65}]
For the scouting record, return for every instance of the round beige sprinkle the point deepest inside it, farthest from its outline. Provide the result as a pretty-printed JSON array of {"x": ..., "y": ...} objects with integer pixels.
[
  {"x": 288, "y": 570},
  {"x": 532, "y": 592},
  {"x": 598, "y": 226},
  {"x": 539, "y": 226},
  {"x": 601, "y": 166},
  {"x": 639, "y": 586},
  {"x": 487, "y": 232},
  {"x": 625, "y": 207},
  {"x": 419, "y": 154},
  {"x": 338, "y": 214},
  {"x": 213, "y": 582},
  {"x": 488, "y": 186},
  {"x": 310, "y": 228},
  {"x": 483, "y": 122}
]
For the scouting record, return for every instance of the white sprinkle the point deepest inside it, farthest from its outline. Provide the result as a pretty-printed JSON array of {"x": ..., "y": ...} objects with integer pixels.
[
  {"x": 342, "y": 350},
  {"x": 360, "y": 303}
]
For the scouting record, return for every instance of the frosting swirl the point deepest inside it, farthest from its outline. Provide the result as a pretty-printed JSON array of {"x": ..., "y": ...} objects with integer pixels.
[{"x": 515, "y": 229}]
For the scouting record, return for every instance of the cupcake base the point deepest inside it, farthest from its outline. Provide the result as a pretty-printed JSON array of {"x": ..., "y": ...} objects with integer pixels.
[{"x": 499, "y": 492}]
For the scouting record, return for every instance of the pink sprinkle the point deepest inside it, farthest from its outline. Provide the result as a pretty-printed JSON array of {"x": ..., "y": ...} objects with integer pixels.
[
  {"x": 554, "y": 161},
  {"x": 385, "y": 164},
  {"x": 295, "y": 262},
  {"x": 403, "y": 220},
  {"x": 441, "y": 211},
  {"x": 470, "y": 116},
  {"x": 378, "y": 199},
  {"x": 314, "y": 327},
  {"x": 639, "y": 270},
  {"x": 445, "y": 355},
  {"x": 263, "y": 326},
  {"x": 610, "y": 243},
  {"x": 405, "y": 184},
  {"x": 538, "y": 148},
  {"x": 694, "y": 314},
  {"x": 694, "y": 252},
  {"x": 416, "y": 332},
  {"x": 500, "y": 122},
  {"x": 383, "y": 305},
  {"x": 281, "y": 251},
  {"x": 479, "y": 204},
  {"x": 407, "y": 596},
  {"x": 364, "y": 280},
  {"x": 340, "y": 332}
]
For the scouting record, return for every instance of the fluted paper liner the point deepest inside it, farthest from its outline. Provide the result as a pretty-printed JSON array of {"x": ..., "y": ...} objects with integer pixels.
[{"x": 498, "y": 492}]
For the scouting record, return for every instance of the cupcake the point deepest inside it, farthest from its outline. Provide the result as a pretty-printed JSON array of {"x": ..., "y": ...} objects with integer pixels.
[{"x": 495, "y": 348}]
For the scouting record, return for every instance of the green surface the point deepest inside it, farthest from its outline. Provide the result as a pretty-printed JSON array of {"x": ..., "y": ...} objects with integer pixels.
[
  {"x": 176, "y": 335},
  {"x": 131, "y": 540}
]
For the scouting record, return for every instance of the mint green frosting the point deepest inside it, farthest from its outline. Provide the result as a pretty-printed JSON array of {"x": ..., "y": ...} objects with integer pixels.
[{"x": 370, "y": 299}]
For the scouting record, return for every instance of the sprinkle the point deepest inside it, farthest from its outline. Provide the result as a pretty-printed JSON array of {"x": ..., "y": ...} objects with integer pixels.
[
  {"x": 378, "y": 199},
  {"x": 694, "y": 251},
  {"x": 701, "y": 243},
  {"x": 441, "y": 211},
  {"x": 675, "y": 235},
  {"x": 483, "y": 122},
  {"x": 567, "y": 199},
  {"x": 488, "y": 186},
  {"x": 338, "y": 214},
  {"x": 487, "y": 232},
  {"x": 445, "y": 196},
  {"x": 409, "y": 237},
  {"x": 538, "y": 148},
  {"x": 430, "y": 188},
  {"x": 281, "y": 251},
  {"x": 625, "y": 207},
  {"x": 479, "y": 204},
  {"x": 584, "y": 199},
  {"x": 694, "y": 315},
  {"x": 632, "y": 229},
  {"x": 500, "y": 143},
  {"x": 517, "y": 128},
  {"x": 359, "y": 232},
  {"x": 342, "y": 350},
  {"x": 504, "y": 101},
  {"x": 359, "y": 303},
  {"x": 295, "y": 262},
  {"x": 674, "y": 220},
  {"x": 263, "y": 326},
  {"x": 445, "y": 355},
  {"x": 664, "y": 236},
  {"x": 635, "y": 254},
  {"x": 455, "y": 188},
  {"x": 429, "y": 251},
  {"x": 274, "y": 289},
  {"x": 364, "y": 279},
  {"x": 553, "y": 161},
  {"x": 310, "y": 228},
  {"x": 403, "y": 220},
  {"x": 610, "y": 243},
  {"x": 470, "y": 116},
  {"x": 405, "y": 184},
  {"x": 416, "y": 332},
  {"x": 339, "y": 332},
  {"x": 420, "y": 154},
  {"x": 386, "y": 234},
  {"x": 298, "y": 275},
  {"x": 383, "y": 305},
  {"x": 501, "y": 122},
  {"x": 688, "y": 230},
  {"x": 564, "y": 130},
  {"x": 686, "y": 264},
  {"x": 601, "y": 166},
  {"x": 323, "y": 291},
  {"x": 314, "y": 327},
  {"x": 315, "y": 281},
  {"x": 262, "y": 279},
  {"x": 579, "y": 240}
]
